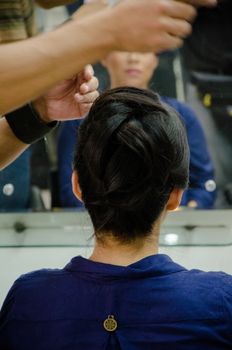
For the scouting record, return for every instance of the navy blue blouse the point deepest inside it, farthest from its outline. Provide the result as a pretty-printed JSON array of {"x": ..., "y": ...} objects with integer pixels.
[{"x": 151, "y": 304}]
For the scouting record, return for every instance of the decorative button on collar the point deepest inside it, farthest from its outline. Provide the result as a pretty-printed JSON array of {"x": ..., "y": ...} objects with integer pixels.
[{"x": 110, "y": 324}]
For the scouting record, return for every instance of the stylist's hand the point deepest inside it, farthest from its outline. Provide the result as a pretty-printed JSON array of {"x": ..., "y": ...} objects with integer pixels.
[
  {"x": 70, "y": 99},
  {"x": 144, "y": 25}
]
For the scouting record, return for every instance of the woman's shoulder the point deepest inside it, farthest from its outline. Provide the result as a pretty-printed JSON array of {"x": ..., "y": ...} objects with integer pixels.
[
  {"x": 186, "y": 111},
  {"x": 37, "y": 295}
]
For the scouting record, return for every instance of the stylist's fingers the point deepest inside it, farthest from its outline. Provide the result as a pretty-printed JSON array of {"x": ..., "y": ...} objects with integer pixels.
[
  {"x": 87, "y": 82},
  {"x": 173, "y": 24},
  {"x": 84, "y": 108},
  {"x": 88, "y": 98},
  {"x": 85, "y": 75},
  {"x": 89, "y": 86},
  {"x": 176, "y": 27},
  {"x": 168, "y": 42},
  {"x": 178, "y": 10},
  {"x": 87, "y": 72}
]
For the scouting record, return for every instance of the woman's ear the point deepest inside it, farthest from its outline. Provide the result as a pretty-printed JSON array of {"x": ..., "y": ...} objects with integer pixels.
[
  {"x": 174, "y": 199},
  {"x": 75, "y": 186}
]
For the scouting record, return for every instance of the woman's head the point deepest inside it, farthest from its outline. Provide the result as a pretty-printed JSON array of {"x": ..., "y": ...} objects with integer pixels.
[
  {"x": 130, "y": 68},
  {"x": 132, "y": 153}
]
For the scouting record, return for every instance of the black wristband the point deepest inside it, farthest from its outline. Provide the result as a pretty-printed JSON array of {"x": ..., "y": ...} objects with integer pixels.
[{"x": 27, "y": 125}]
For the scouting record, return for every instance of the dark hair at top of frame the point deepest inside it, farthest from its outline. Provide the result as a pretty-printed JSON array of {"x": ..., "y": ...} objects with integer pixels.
[{"x": 132, "y": 151}]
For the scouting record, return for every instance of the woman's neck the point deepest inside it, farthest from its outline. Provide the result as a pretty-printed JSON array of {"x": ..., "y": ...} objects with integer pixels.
[{"x": 111, "y": 251}]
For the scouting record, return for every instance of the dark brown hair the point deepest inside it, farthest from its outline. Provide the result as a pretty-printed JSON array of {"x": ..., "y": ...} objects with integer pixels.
[{"x": 132, "y": 151}]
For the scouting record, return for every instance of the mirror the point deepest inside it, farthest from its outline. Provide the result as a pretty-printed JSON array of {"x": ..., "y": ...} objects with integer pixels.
[{"x": 40, "y": 179}]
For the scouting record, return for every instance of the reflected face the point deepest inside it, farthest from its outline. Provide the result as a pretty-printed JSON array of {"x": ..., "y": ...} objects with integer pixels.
[{"x": 130, "y": 68}]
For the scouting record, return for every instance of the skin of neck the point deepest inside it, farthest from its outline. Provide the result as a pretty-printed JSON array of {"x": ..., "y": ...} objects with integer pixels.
[{"x": 109, "y": 250}]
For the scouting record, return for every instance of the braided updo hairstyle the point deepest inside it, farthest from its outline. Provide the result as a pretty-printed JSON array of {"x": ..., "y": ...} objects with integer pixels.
[{"x": 132, "y": 151}]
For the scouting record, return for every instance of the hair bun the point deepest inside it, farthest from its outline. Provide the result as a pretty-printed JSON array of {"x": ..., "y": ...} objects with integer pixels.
[{"x": 132, "y": 150}]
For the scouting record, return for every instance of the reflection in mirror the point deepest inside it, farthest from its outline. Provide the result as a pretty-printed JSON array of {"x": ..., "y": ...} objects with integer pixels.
[{"x": 199, "y": 75}]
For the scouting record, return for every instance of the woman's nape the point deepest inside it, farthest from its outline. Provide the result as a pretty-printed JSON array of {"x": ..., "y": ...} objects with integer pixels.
[
  {"x": 112, "y": 251},
  {"x": 137, "y": 171}
]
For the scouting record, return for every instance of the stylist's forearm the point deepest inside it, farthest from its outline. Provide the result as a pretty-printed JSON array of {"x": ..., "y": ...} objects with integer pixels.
[{"x": 28, "y": 69}]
